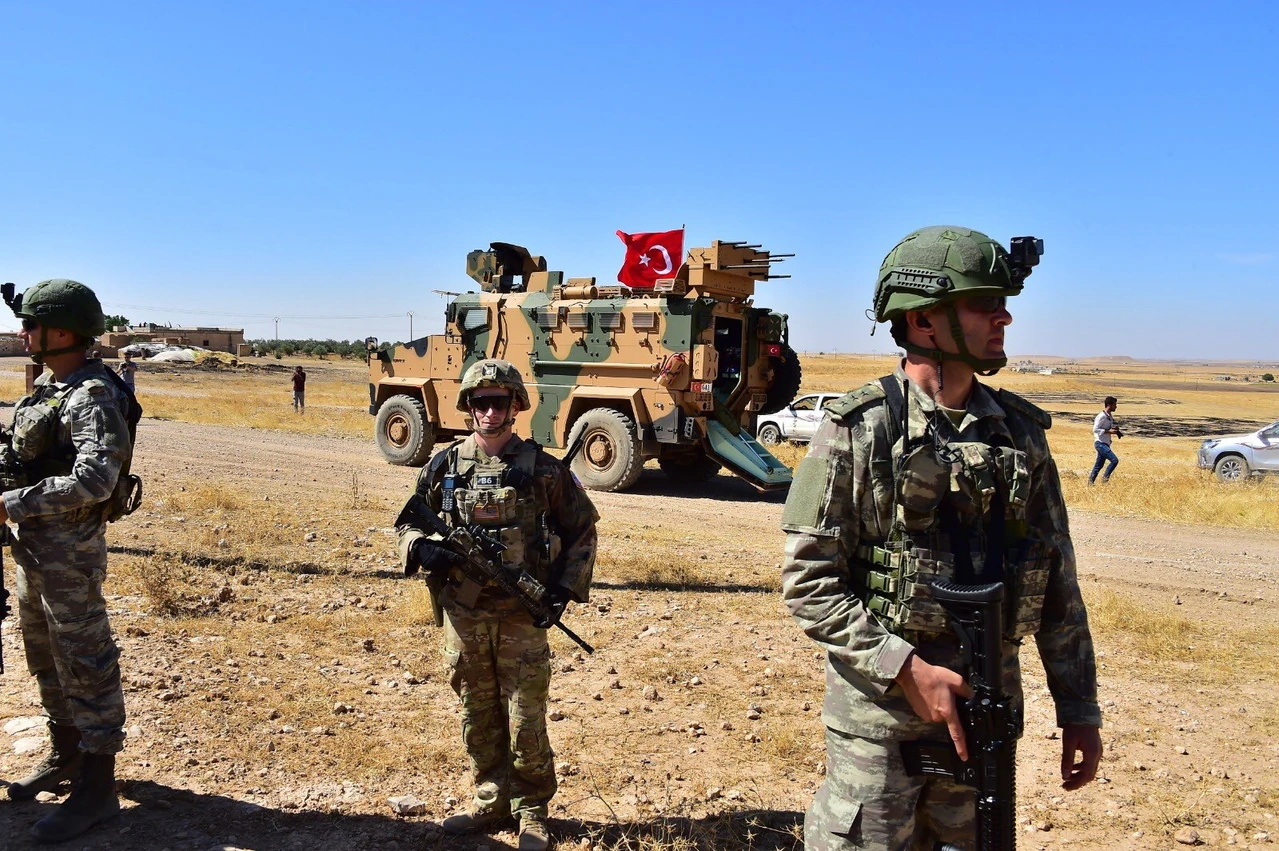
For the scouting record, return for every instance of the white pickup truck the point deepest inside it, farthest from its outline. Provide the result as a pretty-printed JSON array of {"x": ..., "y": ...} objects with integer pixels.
[
  {"x": 798, "y": 421},
  {"x": 1236, "y": 457}
]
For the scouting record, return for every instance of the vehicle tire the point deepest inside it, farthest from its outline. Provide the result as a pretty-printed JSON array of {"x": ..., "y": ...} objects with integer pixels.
[
  {"x": 787, "y": 374},
  {"x": 688, "y": 467},
  {"x": 403, "y": 433},
  {"x": 769, "y": 434},
  {"x": 610, "y": 456},
  {"x": 1231, "y": 468}
]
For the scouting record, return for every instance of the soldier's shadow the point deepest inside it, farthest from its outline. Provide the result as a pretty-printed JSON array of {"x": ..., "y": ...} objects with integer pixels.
[
  {"x": 157, "y": 816},
  {"x": 722, "y": 487}
]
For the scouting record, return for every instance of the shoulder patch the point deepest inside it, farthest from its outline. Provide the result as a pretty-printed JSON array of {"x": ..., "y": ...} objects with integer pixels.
[
  {"x": 854, "y": 400},
  {"x": 1008, "y": 399}
]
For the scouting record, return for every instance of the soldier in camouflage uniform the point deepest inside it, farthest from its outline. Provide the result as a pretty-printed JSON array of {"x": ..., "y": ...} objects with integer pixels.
[
  {"x": 70, "y": 440},
  {"x": 928, "y": 474},
  {"x": 499, "y": 656}
]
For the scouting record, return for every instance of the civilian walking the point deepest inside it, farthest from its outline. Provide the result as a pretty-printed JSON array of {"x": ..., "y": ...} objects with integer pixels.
[{"x": 1102, "y": 429}]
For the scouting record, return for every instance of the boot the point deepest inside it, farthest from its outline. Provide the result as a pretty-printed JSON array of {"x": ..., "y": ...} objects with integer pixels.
[
  {"x": 475, "y": 819},
  {"x": 92, "y": 801},
  {"x": 62, "y": 763},
  {"x": 534, "y": 834}
]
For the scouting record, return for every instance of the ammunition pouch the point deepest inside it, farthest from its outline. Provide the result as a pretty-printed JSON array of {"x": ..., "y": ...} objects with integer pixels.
[
  {"x": 35, "y": 429},
  {"x": 894, "y": 581}
]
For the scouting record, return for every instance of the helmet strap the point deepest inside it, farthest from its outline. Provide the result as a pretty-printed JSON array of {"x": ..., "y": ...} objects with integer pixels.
[
  {"x": 81, "y": 345},
  {"x": 982, "y": 366}
]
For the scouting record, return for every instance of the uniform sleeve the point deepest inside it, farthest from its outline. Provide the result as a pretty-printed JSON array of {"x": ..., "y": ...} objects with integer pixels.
[
  {"x": 100, "y": 438},
  {"x": 821, "y": 520},
  {"x": 573, "y": 518},
  {"x": 1064, "y": 640},
  {"x": 409, "y": 533}
]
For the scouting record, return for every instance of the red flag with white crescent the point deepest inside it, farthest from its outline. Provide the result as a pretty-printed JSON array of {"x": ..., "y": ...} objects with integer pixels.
[{"x": 650, "y": 256}]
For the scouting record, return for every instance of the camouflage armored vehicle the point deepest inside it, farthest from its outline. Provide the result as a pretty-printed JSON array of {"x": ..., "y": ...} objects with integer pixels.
[{"x": 677, "y": 373}]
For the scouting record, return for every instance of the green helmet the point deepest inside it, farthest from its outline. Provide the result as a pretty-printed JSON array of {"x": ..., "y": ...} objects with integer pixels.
[
  {"x": 939, "y": 265},
  {"x": 61, "y": 303},
  {"x": 492, "y": 372}
]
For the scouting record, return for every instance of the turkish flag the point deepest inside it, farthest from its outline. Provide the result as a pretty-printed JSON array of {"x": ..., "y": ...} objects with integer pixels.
[{"x": 650, "y": 256}]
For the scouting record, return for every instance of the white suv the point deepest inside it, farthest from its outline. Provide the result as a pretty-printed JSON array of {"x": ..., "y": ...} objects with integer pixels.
[
  {"x": 1237, "y": 457},
  {"x": 798, "y": 421}
]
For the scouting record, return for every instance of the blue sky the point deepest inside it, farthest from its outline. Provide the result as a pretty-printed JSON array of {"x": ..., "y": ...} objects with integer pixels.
[{"x": 332, "y": 163}]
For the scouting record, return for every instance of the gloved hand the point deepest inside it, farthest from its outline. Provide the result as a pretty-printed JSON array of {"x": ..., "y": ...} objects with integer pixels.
[
  {"x": 430, "y": 556},
  {"x": 556, "y": 600}
]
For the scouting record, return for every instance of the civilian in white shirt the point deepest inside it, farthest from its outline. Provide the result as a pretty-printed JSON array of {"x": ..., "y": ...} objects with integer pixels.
[{"x": 1102, "y": 429}]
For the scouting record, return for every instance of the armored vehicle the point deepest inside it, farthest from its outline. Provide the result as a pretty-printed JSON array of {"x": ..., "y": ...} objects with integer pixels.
[{"x": 677, "y": 372}]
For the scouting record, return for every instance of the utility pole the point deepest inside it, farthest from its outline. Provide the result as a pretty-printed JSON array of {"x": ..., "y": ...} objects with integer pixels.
[
  {"x": 277, "y": 329},
  {"x": 410, "y": 325}
]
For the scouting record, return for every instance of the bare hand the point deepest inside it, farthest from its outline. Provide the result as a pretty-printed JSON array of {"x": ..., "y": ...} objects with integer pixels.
[
  {"x": 931, "y": 690},
  {"x": 1086, "y": 741}
]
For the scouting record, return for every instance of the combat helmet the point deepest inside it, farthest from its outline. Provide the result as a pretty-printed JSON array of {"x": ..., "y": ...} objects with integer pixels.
[
  {"x": 492, "y": 372},
  {"x": 937, "y": 266},
  {"x": 59, "y": 303}
]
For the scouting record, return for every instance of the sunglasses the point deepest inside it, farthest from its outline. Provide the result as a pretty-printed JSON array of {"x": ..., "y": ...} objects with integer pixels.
[
  {"x": 489, "y": 403},
  {"x": 987, "y": 303},
  {"x": 30, "y": 324}
]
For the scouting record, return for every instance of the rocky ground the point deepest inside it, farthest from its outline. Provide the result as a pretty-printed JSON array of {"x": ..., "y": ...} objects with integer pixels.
[{"x": 285, "y": 687}]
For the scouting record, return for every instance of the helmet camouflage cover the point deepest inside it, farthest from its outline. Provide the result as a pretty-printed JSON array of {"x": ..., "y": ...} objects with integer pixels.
[
  {"x": 62, "y": 303},
  {"x": 492, "y": 372},
  {"x": 936, "y": 265}
]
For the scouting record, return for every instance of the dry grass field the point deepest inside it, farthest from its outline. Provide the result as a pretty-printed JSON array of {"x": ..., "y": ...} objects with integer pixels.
[{"x": 283, "y": 682}]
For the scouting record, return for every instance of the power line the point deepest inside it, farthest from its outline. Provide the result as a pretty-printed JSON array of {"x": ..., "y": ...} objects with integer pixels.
[{"x": 121, "y": 305}]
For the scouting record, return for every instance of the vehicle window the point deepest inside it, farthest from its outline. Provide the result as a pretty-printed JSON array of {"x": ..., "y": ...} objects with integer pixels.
[
  {"x": 808, "y": 403},
  {"x": 826, "y": 401}
]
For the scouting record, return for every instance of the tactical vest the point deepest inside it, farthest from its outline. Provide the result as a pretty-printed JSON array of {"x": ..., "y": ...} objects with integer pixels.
[
  {"x": 958, "y": 514},
  {"x": 506, "y": 500},
  {"x": 34, "y": 450}
]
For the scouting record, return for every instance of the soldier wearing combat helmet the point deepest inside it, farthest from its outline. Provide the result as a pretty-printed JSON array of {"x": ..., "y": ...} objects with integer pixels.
[
  {"x": 928, "y": 474},
  {"x": 499, "y": 655},
  {"x": 70, "y": 441}
]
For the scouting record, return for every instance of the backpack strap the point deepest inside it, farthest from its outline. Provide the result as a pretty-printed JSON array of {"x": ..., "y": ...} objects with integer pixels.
[{"x": 446, "y": 456}]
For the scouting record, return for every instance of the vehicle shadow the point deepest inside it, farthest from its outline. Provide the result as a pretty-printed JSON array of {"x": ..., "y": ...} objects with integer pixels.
[
  {"x": 158, "y": 816},
  {"x": 724, "y": 488}
]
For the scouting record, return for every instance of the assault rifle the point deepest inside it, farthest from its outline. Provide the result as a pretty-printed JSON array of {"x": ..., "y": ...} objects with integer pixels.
[
  {"x": 4, "y": 592},
  {"x": 990, "y": 721},
  {"x": 482, "y": 563}
]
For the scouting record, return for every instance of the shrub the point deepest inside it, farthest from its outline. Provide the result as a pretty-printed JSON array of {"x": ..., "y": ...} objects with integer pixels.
[{"x": 1267, "y": 376}]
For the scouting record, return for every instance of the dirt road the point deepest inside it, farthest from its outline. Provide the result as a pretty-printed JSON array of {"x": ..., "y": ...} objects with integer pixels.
[{"x": 1158, "y": 557}]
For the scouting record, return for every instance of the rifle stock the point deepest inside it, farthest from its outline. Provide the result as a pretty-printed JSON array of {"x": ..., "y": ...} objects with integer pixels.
[
  {"x": 989, "y": 719},
  {"x": 482, "y": 564}
]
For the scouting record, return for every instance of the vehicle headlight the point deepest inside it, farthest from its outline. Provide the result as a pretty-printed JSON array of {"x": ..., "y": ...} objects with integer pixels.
[{"x": 1209, "y": 444}]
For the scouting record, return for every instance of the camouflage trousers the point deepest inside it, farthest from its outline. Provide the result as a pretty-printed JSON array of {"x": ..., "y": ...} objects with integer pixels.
[
  {"x": 869, "y": 802},
  {"x": 65, "y": 631},
  {"x": 501, "y": 670}
]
